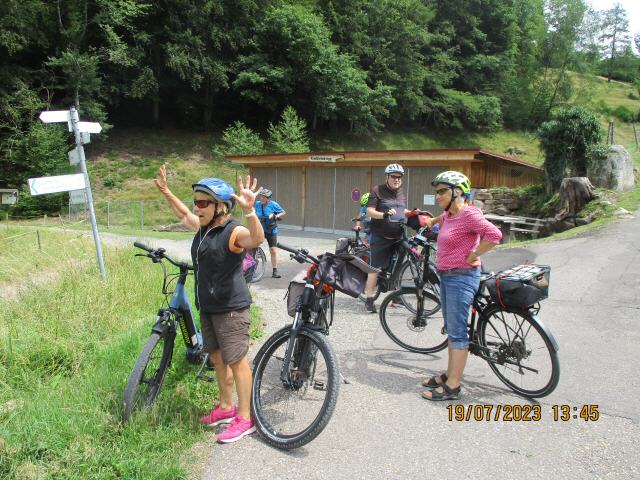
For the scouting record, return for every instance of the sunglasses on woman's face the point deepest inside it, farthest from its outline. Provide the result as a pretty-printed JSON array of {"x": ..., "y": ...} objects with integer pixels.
[
  {"x": 395, "y": 177},
  {"x": 202, "y": 203},
  {"x": 442, "y": 191}
]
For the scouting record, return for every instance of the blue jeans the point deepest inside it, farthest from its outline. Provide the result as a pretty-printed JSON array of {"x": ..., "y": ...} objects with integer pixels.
[{"x": 456, "y": 297}]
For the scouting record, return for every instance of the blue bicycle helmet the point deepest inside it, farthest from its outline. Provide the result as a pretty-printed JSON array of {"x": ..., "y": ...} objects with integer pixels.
[{"x": 220, "y": 190}]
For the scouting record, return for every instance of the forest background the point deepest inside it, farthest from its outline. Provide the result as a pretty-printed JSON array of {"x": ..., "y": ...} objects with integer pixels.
[{"x": 347, "y": 68}]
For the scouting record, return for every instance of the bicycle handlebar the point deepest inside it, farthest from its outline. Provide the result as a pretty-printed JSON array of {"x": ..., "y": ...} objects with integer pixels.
[
  {"x": 159, "y": 254},
  {"x": 300, "y": 255}
]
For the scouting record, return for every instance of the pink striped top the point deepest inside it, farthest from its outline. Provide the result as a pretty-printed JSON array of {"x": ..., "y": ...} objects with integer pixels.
[{"x": 461, "y": 234}]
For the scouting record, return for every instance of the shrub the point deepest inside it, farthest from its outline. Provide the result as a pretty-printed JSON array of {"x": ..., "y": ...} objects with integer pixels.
[
  {"x": 238, "y": 139},
  {"x": 565, "y": 140},
  {"x": 290, "y": 134}
]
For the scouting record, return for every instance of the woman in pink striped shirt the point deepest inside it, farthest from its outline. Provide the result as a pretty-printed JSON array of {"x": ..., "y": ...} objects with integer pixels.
[{"x": 464, "y": 235}]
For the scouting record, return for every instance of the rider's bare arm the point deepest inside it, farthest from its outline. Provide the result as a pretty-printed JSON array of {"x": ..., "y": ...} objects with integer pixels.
[{"x": 186, "y": 217}]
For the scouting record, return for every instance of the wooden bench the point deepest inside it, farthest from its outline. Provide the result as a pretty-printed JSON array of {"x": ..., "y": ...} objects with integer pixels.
[{"x": 510, "y": 225}]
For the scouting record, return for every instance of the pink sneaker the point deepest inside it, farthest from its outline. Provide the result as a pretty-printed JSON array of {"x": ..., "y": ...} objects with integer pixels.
[
  {"x": 238, "y": 428},
  {"x": 219, "y": 416}
]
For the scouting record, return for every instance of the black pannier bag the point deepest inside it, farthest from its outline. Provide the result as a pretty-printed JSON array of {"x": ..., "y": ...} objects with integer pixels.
[
  {"x": 294, "y": 293},
  {"x": 346, "y": 273},
  {"x": 521, "y": 286}
]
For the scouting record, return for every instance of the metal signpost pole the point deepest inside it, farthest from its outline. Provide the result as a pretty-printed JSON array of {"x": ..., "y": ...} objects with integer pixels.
[{"x": 83, "y": 166}]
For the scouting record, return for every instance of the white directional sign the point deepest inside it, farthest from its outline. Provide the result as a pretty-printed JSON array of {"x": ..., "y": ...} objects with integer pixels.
[
  {"x": 55, "y": 116},
  {"x": 89, "y": 127},
  {"x": 60, "y": 183}
]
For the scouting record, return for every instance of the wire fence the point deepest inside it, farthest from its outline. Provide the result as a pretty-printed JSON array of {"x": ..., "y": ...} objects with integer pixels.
[{"x": 137, "y": 214}]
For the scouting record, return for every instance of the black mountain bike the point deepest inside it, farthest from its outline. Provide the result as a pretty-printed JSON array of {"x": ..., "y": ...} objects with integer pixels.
[
  {"x": 406, "y": 264},
  {"x": 519, "y": 348},
  {"x": 147, "y": 376},
  {"x": 296, "y": 377}
]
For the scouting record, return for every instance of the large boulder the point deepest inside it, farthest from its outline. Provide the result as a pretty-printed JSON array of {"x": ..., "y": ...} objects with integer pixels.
[{"x": 615, "y": 172}]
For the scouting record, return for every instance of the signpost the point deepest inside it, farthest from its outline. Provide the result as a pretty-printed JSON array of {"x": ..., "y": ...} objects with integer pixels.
[{"x": 79, "y": 181}]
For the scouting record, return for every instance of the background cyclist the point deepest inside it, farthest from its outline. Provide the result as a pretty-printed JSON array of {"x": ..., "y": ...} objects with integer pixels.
[
  {"x": 386, "y": 207},
  {"x": 269, "y": 212},
  {"x": 464, "y": 235},
  {"x": 364, "y": 222},
  {"x": 221, "y": 293}
]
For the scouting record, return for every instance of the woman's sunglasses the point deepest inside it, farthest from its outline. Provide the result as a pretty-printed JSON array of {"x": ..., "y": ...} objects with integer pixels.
[
  {"x": 202, "y": 203},
  {"x": 442, "y": 191},
  {"x": 396, "y": 177}
]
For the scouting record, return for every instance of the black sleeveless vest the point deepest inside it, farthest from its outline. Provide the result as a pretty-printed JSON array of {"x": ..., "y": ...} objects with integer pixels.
[{"x": 219, "y": 283}]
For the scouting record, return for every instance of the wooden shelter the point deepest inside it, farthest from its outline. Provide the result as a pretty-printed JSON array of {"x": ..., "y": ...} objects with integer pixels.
[{"x": 317, "y": 189}]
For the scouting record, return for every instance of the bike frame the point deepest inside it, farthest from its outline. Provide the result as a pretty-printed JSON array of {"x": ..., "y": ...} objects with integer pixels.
[
  {"x": 179, "y": 307},
  {"x": 304, "y": 309},
  {"x": 481, "y": 304}
]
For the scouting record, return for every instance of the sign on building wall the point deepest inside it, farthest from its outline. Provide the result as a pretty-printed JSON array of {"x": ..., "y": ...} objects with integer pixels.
[
  {"x": 429, "y": 200},
  {"x": 325, "y": 158}
]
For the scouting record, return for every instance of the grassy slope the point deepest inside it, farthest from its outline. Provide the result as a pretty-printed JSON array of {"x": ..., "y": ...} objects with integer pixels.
[{"x": 66, "y": 350}]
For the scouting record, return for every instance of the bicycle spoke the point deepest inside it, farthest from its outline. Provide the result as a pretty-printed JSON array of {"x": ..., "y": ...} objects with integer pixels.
[
  {"x": 518, "y": 352},
  {"x": 290, "y": 409},
  {"x": 415, "y": 331}
]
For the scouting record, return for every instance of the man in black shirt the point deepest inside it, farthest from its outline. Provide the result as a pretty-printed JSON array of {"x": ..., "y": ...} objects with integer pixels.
[{"x": 387, "y": 208}]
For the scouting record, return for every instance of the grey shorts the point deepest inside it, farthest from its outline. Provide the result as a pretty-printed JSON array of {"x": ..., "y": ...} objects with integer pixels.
[{"x": 227, "y": 332}]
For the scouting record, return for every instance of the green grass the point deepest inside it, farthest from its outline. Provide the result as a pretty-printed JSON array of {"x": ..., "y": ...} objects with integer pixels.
[
  {"x": 66, "y": 350},
  {"x": 55, "y": 250}
]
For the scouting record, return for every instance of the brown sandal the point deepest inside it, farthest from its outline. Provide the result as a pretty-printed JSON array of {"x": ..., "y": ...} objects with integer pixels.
[{"x": 433, "y": 381}]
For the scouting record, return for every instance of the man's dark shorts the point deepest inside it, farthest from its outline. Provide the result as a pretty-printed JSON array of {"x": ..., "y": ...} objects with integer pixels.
[
  {"x": 381, "y": 251},
  {"x": 227, "y": 332},
  {"x": 272, "y": 240}
]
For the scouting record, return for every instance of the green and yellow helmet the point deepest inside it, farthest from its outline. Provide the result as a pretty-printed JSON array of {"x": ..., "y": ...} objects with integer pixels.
[
  {"x": 453, "y": 179},
  {"x": 364, "y": 199}
]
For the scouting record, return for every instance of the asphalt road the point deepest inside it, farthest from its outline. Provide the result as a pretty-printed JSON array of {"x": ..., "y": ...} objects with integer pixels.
[{"x": 382, "y": 428}]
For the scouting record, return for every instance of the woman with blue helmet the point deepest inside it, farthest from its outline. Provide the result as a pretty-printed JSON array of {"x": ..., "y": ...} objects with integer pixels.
[{"x": 221, "y": 293}]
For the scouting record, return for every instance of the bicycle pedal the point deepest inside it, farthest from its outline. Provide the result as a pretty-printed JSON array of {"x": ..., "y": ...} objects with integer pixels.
[
  {"x": 206, "y": 378},
  {"x": 318, "y": 385}
]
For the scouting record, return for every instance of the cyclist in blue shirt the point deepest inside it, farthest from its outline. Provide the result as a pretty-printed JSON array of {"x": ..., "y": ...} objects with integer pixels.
[{"x": 269, "y": 212}]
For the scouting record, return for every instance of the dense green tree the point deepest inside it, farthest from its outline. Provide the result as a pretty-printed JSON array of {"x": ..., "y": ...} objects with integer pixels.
[
  {"x": 290, "y": 134},
  {"x": 563, "y": 20},
  {"x": 615, "y": 36},
  {"x": 387, "y": 38},
  {"x": 294, "y": 62},
  {"x": 567, "y": 140},
  {"x": 238, "y": 139}
]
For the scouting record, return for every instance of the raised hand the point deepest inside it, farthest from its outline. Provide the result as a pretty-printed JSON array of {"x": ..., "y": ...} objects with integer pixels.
[
  {"x": 161, "y": 181},
  {"x": 247, "y": 193}
]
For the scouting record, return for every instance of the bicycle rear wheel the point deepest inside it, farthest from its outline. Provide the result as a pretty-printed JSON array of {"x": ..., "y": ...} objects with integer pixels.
[
  {"x": 148, "y": 374},
  {"x": 290, "y": 414},
  {"x": 420, "y": 333},
  {"x": 261, "y": 261},
  {"x": 522, "y": 355}
]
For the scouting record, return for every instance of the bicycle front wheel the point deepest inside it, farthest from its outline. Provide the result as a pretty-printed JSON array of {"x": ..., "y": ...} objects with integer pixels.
[
  {"x": 521, "y": 354},
  {"x": 261, "y": 262},
  {"x": 148, "y": 374},
  {"x": 414, "y": 330},
  {"x": 290, "y": 413}
]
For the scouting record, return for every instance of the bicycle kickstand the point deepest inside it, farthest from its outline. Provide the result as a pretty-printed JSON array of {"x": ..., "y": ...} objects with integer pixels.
[
  {"x": 202, "y": 376},
  {"x": 344, "y": 380}
]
